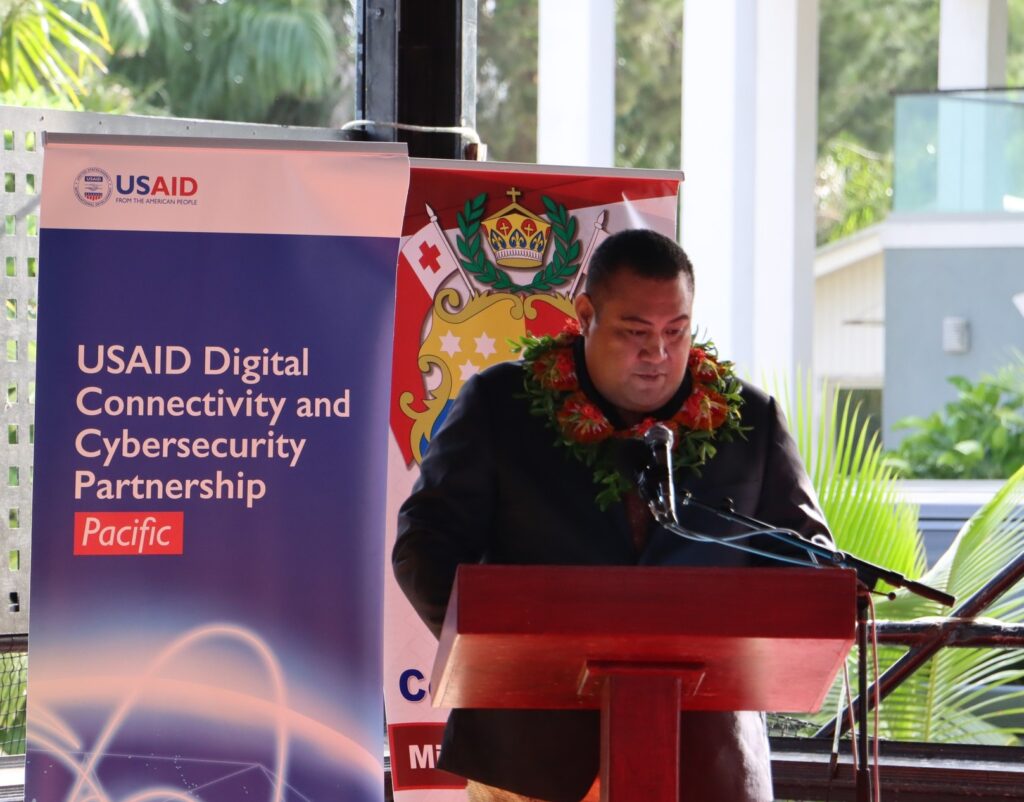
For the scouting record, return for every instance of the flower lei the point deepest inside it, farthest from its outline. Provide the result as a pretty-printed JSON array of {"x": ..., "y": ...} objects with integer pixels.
[{"x": 710, "y": 414}]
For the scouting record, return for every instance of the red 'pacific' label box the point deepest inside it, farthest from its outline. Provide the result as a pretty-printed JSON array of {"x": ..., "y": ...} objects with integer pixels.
[{"x": 129, "y": 534}]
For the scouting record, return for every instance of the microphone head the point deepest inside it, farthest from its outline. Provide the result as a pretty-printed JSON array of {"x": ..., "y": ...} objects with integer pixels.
[{"x": 659, "y": 435}]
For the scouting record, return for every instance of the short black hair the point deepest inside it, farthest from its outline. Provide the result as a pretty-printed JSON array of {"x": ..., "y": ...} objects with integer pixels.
[{"x": 640, "y": 251}]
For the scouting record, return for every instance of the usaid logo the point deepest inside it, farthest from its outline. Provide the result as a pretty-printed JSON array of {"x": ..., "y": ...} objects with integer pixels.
[
  {"x": 93, "y": 186},
  {"x": 162, "y": 190},
  {"x": 183, "y": 186}
]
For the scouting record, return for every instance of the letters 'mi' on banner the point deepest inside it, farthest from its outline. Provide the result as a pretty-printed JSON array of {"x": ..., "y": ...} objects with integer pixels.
[
  {"x": 489, "y": 253},
  {"x": 214, "y": 346}
]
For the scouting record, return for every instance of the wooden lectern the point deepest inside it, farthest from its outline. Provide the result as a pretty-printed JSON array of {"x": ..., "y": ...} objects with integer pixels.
[{"x": 641, "y": 644}]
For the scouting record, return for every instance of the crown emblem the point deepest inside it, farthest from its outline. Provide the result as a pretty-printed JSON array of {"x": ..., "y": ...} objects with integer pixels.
[{"x": 518, "y": 237}]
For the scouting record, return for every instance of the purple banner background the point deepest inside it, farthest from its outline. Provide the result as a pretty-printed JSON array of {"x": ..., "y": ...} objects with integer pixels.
[{"x": 249, "y": 666}]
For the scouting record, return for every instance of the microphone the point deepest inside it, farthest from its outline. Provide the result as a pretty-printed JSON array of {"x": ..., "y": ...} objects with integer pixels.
[{"x": 659, "y": 440}]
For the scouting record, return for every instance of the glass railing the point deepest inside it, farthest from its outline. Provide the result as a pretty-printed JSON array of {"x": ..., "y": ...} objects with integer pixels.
[{"x": 960, "y": 152}]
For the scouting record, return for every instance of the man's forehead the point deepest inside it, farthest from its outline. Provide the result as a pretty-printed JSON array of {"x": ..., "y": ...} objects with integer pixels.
[
  {"x": 636, "y": 298},
  {"x": 626, "y": 280}
]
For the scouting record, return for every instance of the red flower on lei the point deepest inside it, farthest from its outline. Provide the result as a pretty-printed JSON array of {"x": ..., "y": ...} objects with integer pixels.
[
  {"x": 556, "y": 369},
  {"x": 702, "y": 367},
  {"x": 582, "y": 421},
  {"x": 704, "y": 410}
]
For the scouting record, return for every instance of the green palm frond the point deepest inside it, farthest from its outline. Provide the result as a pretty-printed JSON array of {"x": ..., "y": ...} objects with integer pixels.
[
  {"x": 960, "y": 695},
  {"x": 956, "y": 695},
  {"x": 52, "y": 44},
  {"x": 856, "y": 489},
  {"x": 253, "y": 55},
  {"x": 129, "y": 23},
  {"x": 300, "y": 38}
]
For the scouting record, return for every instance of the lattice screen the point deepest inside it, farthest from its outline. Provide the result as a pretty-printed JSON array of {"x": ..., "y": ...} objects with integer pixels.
[{"x": 21, "y": 165}]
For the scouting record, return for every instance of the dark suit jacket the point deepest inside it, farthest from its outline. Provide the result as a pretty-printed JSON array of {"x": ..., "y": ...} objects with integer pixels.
[{"x": 495, "y": 489}]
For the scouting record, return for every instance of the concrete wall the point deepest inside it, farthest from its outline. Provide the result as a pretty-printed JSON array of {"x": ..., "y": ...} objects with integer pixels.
[{"x": 922, "y": 286}]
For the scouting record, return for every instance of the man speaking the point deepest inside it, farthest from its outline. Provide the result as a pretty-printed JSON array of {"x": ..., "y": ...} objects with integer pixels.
[{"x": 528, "y": 470}]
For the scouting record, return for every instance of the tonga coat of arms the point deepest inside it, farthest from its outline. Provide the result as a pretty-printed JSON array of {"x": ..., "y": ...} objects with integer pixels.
[{"x": 499, "y": 275}]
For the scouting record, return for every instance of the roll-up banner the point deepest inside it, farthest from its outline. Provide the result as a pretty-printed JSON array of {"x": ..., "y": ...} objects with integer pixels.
[
  {"x": 215, "y": 342},
  {"x": 489, "y": 253}
]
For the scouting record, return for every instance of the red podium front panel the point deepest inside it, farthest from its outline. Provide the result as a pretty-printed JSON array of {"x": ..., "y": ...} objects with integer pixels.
[
  {"x": 740, "y": 639},
  {"x": 640, "y": 644}
]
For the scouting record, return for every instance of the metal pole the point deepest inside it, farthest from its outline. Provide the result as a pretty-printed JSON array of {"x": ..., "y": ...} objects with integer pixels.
[
  {"x": 863, "y": 781},
  {"x": 959, "y": 632}
]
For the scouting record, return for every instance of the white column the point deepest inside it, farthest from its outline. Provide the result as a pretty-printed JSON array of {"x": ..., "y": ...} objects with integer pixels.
[
  {"x": 576, "y": 83},
  {"x": 787, "y": 95},
  {"x": 718, "y": 161},
  {"x": 972, "y": 44}
]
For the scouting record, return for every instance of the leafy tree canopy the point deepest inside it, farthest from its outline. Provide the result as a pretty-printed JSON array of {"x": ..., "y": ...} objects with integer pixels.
[
  {"x": 648, "y": 83},
  {"x": 506, "y": 113},
  {"x": 867, "y": 50},
  {"x": 278, "y": 61},
  {"x": 257, "y": 61}
]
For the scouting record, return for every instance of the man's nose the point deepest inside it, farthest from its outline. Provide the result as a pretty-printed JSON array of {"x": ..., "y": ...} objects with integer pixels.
[{"x": 654, "y": 348}]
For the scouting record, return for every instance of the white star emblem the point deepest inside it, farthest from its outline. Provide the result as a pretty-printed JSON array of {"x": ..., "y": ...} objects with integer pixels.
[
  {"x": 484, "y": 345},
  {"x": 450, "y": 343},
  {"x": 468, "y": 369}
]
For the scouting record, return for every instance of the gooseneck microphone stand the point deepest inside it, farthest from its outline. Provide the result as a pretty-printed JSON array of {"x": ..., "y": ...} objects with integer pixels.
[{"x": 656, "y": 485}]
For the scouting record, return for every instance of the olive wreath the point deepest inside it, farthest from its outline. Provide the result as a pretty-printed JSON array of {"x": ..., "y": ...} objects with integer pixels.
[{"x": 564, "y": 263}]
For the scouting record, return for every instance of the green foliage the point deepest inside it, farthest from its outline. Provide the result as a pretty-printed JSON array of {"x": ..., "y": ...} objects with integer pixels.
[
  {"x": 855, "y": 487},
  {"x": 867, "y": 50},
  {"x": 273, "y": 61},
  {"x": 12, "y": 705},
  {"x": 1015, "y": 44},
  {"x": 506, "y": 113},
  {"x": 979, "y": 435},
  {"x": 261, "y": 61},
  {"x": 854, "y": 189},
  {"x": 56, "y": 46},
  {"x": 956, "y": 696},
  {"x": 648, "y": 83}
]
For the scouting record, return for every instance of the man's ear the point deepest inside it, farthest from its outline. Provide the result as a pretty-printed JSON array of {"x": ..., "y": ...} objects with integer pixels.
[{"x": 585, "y": 312}]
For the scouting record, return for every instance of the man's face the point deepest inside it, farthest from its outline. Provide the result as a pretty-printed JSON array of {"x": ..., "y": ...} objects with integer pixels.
[{"x": 637, "y": 339}]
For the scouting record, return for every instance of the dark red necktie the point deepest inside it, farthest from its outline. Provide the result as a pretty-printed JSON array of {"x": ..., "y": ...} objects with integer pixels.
[{"x": 639, "y": 516}]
